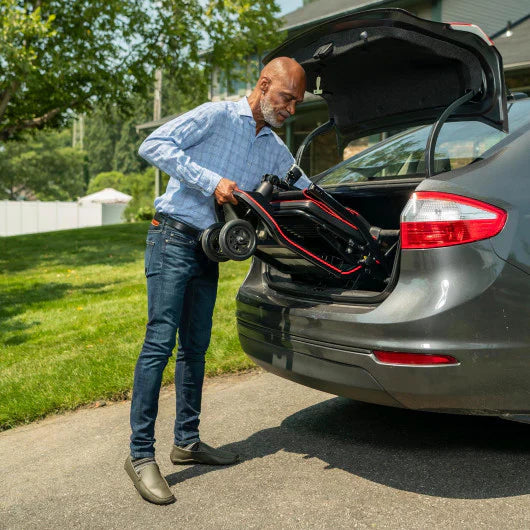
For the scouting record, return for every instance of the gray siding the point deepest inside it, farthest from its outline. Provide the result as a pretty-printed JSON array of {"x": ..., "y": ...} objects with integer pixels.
[
  {"x": 490, "y": 15},
  {"x": 420, "y": 9},
  {"x": 515, "y": 49},
  {"x": 322, "y": 9}
]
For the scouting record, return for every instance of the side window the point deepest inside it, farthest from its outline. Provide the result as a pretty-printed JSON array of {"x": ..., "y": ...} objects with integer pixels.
[
  {"x": 399, "y": 155},
  {"x": 461, "y": 143}
]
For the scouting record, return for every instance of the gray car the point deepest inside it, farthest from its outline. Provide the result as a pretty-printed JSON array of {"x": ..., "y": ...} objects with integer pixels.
[{"x": 447, "y": 329}]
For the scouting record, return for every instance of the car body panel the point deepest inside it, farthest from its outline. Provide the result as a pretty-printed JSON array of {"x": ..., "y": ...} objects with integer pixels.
[
  {"x": 487, "y": 180},
  {"x": 368, "y": 67},
  {"x": 435, "y": 293}
]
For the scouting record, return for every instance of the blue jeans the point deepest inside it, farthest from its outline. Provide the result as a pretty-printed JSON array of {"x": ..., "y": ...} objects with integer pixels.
[{"x": 181, "y": 292}]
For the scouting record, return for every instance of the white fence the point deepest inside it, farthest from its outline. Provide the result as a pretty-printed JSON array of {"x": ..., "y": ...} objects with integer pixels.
[{"x": 29, "y": 217}]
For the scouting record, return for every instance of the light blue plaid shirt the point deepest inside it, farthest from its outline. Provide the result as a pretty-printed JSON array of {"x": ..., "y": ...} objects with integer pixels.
[{"x": 203, "y": 145}]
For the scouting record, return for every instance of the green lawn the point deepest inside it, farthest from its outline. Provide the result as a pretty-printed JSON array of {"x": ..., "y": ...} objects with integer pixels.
[{"x": 72, "y": 319}]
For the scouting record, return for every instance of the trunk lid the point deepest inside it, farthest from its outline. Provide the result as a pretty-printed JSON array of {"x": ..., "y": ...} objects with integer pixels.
[{"x": 386, "y": 68}]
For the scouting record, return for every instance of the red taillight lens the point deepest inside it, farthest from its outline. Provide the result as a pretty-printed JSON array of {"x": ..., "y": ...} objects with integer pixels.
[
  {"x": 432, "y": 219},
  {"x": 413, "y": 359}
]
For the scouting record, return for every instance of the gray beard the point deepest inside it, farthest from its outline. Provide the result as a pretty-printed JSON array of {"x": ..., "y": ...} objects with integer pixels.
[{"x": 268, "y": 113}]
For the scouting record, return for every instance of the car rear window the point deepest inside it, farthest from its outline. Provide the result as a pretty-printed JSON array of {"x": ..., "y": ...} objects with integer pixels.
[{"x": 403, "y": 155}]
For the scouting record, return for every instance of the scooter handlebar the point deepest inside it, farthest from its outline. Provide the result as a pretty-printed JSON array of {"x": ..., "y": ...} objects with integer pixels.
[{"x": 293, "y": 174}]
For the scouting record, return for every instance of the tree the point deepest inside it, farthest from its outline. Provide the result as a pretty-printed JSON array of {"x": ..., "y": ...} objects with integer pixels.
[
  {"x": 174, "y": 101},
  {"x": 126, "y": 156},
  {"x": 102, "y": 131},
  {"x": 112, "y": 142},
  {"x": 238, "y": 30},
  {"x": 64, "y": 56},
  {"x": 45, "y": 167},
  {"x": 110, "y": 179}
]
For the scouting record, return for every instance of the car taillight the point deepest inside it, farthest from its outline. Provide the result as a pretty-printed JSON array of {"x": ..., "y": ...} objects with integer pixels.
[
  {"x": 413, "y": 359},
  {"x": 433, "y": 219}
]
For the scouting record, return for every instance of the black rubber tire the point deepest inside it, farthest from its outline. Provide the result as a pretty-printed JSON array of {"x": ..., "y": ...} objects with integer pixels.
[
  {"x": 210, "y": 243},
  {"x": 237, "y": 240}
]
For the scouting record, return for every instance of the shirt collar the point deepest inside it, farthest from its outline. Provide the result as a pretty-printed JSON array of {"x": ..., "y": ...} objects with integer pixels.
[{"x": 244, "y": 110}]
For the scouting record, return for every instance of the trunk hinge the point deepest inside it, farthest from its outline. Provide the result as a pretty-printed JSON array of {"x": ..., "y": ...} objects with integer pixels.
[
  {"x": 325, "y": 127},
  {"x": 435, "y": 131}
]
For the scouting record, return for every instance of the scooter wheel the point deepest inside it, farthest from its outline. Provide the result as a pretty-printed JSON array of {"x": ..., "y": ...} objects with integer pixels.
[
  {"x": 210, "y": 243},
  {"x": 237, "y": 240}
]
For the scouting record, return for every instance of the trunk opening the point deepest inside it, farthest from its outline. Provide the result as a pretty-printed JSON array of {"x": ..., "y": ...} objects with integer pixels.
[{"x": 381, "y": 204}]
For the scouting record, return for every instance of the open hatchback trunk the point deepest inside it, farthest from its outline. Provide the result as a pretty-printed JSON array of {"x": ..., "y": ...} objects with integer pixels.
[
  {"x": 385, "y": 68},
  {"x": 377, "y": 70}
]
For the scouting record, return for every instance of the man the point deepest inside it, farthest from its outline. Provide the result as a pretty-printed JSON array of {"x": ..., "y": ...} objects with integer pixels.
[{"x": 208, "y": 152}]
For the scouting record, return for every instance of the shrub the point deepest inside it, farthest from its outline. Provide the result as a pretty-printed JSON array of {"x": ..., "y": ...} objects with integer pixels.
[
  {"x": 144, "y": 213},
  {"x": 142, "y": 189}
]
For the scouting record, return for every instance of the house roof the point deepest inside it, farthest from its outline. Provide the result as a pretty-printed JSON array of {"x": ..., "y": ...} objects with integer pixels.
[
  {"x": 515, "y": 50},
  {"x": 156, "y": 123},
  {"x": 322, "y": 9}
]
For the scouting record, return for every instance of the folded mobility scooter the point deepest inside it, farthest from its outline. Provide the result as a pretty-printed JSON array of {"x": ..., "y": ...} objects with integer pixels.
[{"x": 289, "y": 229}]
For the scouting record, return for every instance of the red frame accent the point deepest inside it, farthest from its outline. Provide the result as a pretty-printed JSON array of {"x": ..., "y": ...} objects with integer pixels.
[
  {"x": 328, "y": 210},
  {"x": 305, "y": 251},
  {"x": 323, "y": 207}
]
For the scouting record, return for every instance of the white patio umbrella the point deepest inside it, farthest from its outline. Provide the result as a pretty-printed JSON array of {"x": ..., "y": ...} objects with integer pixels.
[{"x": 106, "y": 196}]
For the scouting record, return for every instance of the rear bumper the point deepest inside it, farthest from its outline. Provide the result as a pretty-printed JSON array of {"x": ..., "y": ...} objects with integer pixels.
[
  {"x": 335, "y": 377},
  {"x": 475, "y": 386}
]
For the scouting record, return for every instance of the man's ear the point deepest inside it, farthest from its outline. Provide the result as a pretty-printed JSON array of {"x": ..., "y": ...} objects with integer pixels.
[{"x": 264, "y": 84}]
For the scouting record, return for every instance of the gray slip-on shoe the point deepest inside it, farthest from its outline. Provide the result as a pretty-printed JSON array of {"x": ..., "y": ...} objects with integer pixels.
[
  {"x": 149, "y": 482},
  {"x": 201, "y": 453}
]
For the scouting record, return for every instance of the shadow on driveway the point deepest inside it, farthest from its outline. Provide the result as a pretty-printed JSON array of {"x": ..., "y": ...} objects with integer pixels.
[{"x": 443, "y": 455}]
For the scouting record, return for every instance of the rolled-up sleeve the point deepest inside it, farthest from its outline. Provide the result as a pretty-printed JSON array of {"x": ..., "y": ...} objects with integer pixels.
[{"x": 166, "y": 148}]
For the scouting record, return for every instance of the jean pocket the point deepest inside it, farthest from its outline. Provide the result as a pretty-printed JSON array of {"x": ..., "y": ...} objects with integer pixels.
[
  {"x": 180, "y": 239},
  {"x": 150, "y": 258}
]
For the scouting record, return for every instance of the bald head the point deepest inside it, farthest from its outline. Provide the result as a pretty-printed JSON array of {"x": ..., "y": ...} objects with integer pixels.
[
  {"x": 283, "y": 68},
  {"x": 280, "y": 87}
]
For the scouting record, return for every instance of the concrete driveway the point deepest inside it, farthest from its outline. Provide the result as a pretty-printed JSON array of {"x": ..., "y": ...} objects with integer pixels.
[{"x": 309, "y": 460}]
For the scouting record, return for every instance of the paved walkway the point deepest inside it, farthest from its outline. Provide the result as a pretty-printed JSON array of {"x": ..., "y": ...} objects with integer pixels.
[{"x": 310, "y": 460}]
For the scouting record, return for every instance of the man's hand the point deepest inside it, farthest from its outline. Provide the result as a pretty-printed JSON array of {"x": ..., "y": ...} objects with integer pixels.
[{"x": 224, "y": 191}]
